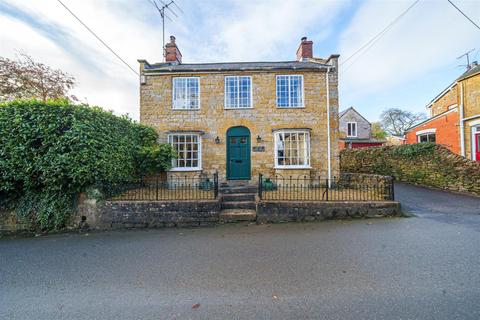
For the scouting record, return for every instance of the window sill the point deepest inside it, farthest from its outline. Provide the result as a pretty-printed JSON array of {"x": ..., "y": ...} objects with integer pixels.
[
  {"x": 185, "y": 169},
  {"x": 178, "y": 109},
  {"x": 292, "y": 167},
  {"x": 242, "y": 108},
  {"x": 300, "y": 107}
]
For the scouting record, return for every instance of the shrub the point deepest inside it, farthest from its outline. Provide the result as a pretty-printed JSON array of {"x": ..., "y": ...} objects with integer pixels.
[{"x": 49, "y": 152}]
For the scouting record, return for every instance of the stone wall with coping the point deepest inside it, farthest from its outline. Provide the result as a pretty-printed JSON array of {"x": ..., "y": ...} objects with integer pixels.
[
  {"x": 423, "y": 164},
  {"x": 146, "y": 214},
  {"x": 305, "y": 211}
]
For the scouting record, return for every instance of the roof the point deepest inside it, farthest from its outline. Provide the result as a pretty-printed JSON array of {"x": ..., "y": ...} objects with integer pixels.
[
  {"x": 354, "y": 110},
  {"x": 234, "y": 66},
  {"x": 470, "y": 73}
]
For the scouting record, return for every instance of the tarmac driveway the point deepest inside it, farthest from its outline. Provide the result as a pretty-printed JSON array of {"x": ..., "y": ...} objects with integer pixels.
[
  {"x": 439, "y": 205},
  {"x": 425, "y": 267}
]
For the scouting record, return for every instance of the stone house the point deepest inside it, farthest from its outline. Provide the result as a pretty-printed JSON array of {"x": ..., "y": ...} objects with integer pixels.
[
  {"x": 356, "y": 131},
  {"x": 454, "y": 117},
  {"x": 245, "y": 118}
]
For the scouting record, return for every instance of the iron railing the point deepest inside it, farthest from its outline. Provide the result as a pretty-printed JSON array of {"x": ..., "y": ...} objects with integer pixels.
[
  {"x": 347, "y": 187},
  {"x": 173, "y": 187}
]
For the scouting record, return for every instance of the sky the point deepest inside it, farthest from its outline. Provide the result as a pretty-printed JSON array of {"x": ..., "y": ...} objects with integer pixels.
[{"x": 406, "y": 68}]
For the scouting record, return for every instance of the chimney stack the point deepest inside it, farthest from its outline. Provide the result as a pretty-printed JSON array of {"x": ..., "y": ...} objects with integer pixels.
[
  {"x": 305, "y": 50},
  {"x": 172, "y": 53}
]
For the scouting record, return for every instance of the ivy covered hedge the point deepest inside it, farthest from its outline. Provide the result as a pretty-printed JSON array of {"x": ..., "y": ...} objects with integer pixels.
[
  {"x": 423, "y": 163},
  {"x": 49, "y": 152}
]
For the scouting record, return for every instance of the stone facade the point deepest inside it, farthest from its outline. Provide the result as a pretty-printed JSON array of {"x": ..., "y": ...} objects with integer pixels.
[
  {"x": 446, "y": 99},
  {"x": 213, "y": 120},
  {"x": 471, "y": 88}
]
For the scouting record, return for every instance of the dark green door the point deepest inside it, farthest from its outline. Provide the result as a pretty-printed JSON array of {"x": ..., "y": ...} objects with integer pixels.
[{"x": 238, "y": 153}]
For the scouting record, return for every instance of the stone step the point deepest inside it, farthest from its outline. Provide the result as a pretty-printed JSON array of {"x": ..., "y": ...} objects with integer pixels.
[
  {"x": 229, "y": 197},
  {"x": 239, "y": 205},
  {"x": 237, "y": 215},
  {"x": 239, "y": 189}
]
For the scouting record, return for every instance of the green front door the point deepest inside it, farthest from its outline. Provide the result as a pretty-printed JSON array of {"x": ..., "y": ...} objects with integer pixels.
[{"x": 238, "y": 153}]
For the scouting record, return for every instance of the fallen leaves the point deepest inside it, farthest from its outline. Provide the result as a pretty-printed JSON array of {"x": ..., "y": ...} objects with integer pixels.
[{"x": 196, "y": 306}]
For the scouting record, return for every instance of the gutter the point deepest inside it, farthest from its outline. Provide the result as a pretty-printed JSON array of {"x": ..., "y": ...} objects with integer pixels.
[
  {"x": 153, "y": 72},
  {"x": 329, "y": 155},
  {"x": 462, "y": 123}
]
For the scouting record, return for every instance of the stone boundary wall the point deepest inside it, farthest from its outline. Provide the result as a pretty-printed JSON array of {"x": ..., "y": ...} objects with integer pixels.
[
  {"x": 144, "y": 214},
  {"x": 9, "y": 223},
  {"x": 107, "y": 215},
  {"x": 303, "y": 211},
  {"x": 422, "y": 164}
]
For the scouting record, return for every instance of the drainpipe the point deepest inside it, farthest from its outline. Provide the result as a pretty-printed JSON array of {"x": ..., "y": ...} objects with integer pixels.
[
  {"x": 329, "y": 160},
  {"x": 462, "y": 124}
]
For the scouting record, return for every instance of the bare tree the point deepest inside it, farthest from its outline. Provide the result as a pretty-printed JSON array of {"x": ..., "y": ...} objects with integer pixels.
[
  {"x": 25, "y": 78},
  {"x": 396, "y": 121}
]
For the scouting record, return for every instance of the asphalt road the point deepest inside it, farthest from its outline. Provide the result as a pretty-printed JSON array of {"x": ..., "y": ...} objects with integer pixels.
[{"x": 425, "y": 267}]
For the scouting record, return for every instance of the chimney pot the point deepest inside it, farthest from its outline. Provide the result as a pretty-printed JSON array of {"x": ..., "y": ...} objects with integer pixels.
[{"x": 304, "y": 39}]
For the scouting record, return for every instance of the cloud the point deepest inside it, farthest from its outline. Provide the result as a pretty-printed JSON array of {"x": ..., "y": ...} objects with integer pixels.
[
  {"x": 427, "y": 39},
  {"x": 53, "y": 32},
  {"x": 430, "y": 36},
  {"x": 206, "y": 31},
  {"x": 254, "y": 30}
]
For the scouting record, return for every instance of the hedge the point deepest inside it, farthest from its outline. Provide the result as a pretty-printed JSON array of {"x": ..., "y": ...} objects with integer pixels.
[
  {"x": 424, "y": 164},
  {"x": 50, "y": 152}
]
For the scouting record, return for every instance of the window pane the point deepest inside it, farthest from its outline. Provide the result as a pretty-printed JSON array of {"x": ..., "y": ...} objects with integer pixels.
[
  {"x": 282, "y": 91},
  {"x": 186, "y": 147},
  {"x": 289, "y": 91},
  {"x": 185, "y": 93},
  {"x": 237, "y": 92},
  {"x": 292, "y": 148}
]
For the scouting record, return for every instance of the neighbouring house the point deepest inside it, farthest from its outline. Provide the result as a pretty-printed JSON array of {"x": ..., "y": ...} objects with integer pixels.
[
  {"x": 395, "y": 140},
  {"x": 454, "y": 117},
  {"x": 356, "y": 131},
  {"x": 241, "y": 119}
]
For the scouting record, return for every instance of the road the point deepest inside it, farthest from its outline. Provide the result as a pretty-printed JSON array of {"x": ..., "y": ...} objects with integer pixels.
[{"x": 424, "y": 267}]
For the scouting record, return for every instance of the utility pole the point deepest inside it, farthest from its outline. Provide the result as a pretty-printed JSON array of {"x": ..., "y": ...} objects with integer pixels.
[
  {"x": 467, "y": 55},
  {"x": 162, "y": 10}
]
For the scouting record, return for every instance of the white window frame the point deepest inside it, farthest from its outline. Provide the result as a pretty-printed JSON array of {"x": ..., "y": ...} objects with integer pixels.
[
  {"x": 174, "y": 104},
  {"x": 199, "y": 151},
  {"x": 289, "y": 100},
  {"x": 475, "y": 128},
  {"x": 238, "y": 93},
  {"x": 426, "y": 134},
  {"x": 306, "y": 151},
  {"x": 356, "y": 129}
]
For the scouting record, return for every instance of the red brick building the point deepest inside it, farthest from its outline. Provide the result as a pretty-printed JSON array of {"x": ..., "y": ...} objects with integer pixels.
[
  {"x": 454, "y": 117},
  {"x": 441, "y": 129}
]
